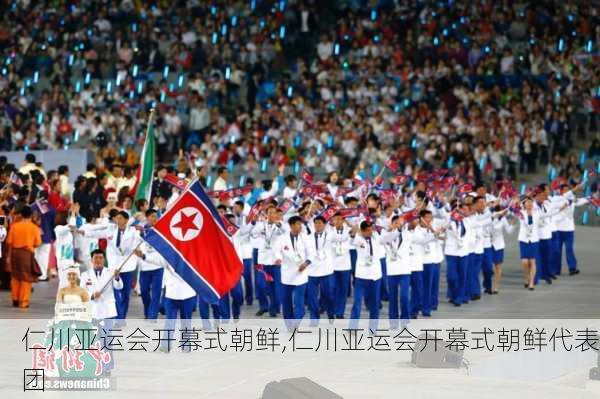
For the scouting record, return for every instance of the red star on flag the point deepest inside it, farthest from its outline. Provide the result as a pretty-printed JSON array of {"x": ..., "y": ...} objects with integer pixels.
[{"x": 186, "y": 223}]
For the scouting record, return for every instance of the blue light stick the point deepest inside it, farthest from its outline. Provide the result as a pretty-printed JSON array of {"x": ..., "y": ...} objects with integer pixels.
[
  {"x": 88, "y": 77},
  {"x": 135, "y": 70},
  {"x": 180, "y": 81},
  {"x": 215, "y": 38},
  {"x": 118, "y": 80},
  {"x": 76, "y": 136},
  {"x": 297, "y": 141},
  {"x": 109, "y": 86},
  {"x": 166, "y": 72},
  {"x": 282, "y": 32},
  {"x": 209, "y": 180},
  {"x": 224, "y": 29},
  {"x": 374, "y": 169},
  {"x": 36, "y": 76},
  {"x": 319, "y": 149},
  {"x": 234, "y": 20},
  {"x": 140, "y": 87},
  {"x": 481, "y": 163},
  {"x": 589, "y": 46},
  {"x": 40, "y": 118},
  {"x": 330, "y": 141},
  {"x": 131, "y": 94},
  {"x": 296, "y": 167},
  {"x": 71, "y": 59},
  {"x": 582, "y": 158},
  {"x": 78, "y": 86},
  {"x": 336, "y": 49},
  {"x": 242, "y": 180},
  {"x": 523, "y": 188},
  {"x": 263, "y": 165},
  {"x": 230, "y": 165},
  {"x": 265, "y": 140},
  {"x": 290, "y": 91},
  {"x": 585, "y": 218},
  {"x": 373, "y": 14},
  {"x": 450, "y": 162}
]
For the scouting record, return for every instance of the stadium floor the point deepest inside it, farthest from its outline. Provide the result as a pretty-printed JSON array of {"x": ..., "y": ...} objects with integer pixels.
[{"x": 569, "y": 297}]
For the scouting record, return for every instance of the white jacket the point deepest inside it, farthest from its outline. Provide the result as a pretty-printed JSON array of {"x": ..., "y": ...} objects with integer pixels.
[
  {"x": 500, "y": 226},
  {"x": 105, "y": 306},
  {"x": 565, "y": 219},
  {"x": 175, "y": 287},
  {"x": 266, "y": 235},
  {"x": 321, "y": 257},
  {"x": 116, "y": 255},
  {"x": 291, "y": 257},
  {"x": 529, "y": 232},
  {"x": 340, "y": 242}
]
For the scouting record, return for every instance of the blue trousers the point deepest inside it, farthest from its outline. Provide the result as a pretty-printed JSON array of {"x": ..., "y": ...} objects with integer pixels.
[
  {"x": 122, "y": 296},
  {"x": 173, "y": 307},
  {"x": 248, "y": 281},
  {"x": 567, "y": 239},
  {"x": 399, "y": 284},
  {"x": 543, "y": 266},
  {"x": 274, "y": 289},
  {"x": 384, "y": 282},
  {"x": 353, "y": 258},
  {"x": 151, "y": 287},
  {"x": 229, "y": 304},
  {"x": 416, "y": 293},
  {"x": 487, "y": 266},
  {"x": 260, "y": 285},
  {"x": 474, "y": 270},
  {"x": 555, "y": 255},
  {"x": 292, "y": 301},
  {"x": 369, "y": 290},
  {"x": 456, "y": 276},
  {"x": 341, "y": 288},
  {"x": 431, "y": 287},
  {"x": 325, "y": 286}
]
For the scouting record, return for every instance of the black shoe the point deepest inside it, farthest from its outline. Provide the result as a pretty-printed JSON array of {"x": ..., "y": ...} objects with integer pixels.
[
  {"x": 548, "y": 280},
  {"x": 15, "y": 304},
  {"x": 456, "y": 304},
  {"x": 573, "y": 272},
  {"x": 488, "y": 291},
  {"x": 495, "y": 292},
  {"x": 526, "y": 286},
  {"x": 340, "y": 317},
  {"x": 531, "y": 288},
  {"x": 553, "y": 277},
  {"x": 476, "y": 297},
  {"x": 260, "y": 313}
]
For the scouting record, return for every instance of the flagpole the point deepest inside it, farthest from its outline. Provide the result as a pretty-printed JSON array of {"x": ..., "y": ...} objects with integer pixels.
[{"x": 121, "y": 266}]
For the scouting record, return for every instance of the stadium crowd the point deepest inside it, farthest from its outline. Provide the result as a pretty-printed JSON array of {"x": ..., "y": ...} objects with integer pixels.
[{"x": 444, "y": 95}]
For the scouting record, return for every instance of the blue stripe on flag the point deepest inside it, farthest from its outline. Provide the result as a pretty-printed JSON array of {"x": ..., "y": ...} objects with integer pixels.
[{"x": 181, "y": 267}]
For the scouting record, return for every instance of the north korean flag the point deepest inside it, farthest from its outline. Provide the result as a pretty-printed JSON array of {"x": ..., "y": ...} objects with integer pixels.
[{"x": 192, "y": 237}]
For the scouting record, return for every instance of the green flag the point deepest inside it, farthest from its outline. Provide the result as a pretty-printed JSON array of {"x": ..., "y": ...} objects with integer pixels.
[{"x": 145, "y": 173}]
